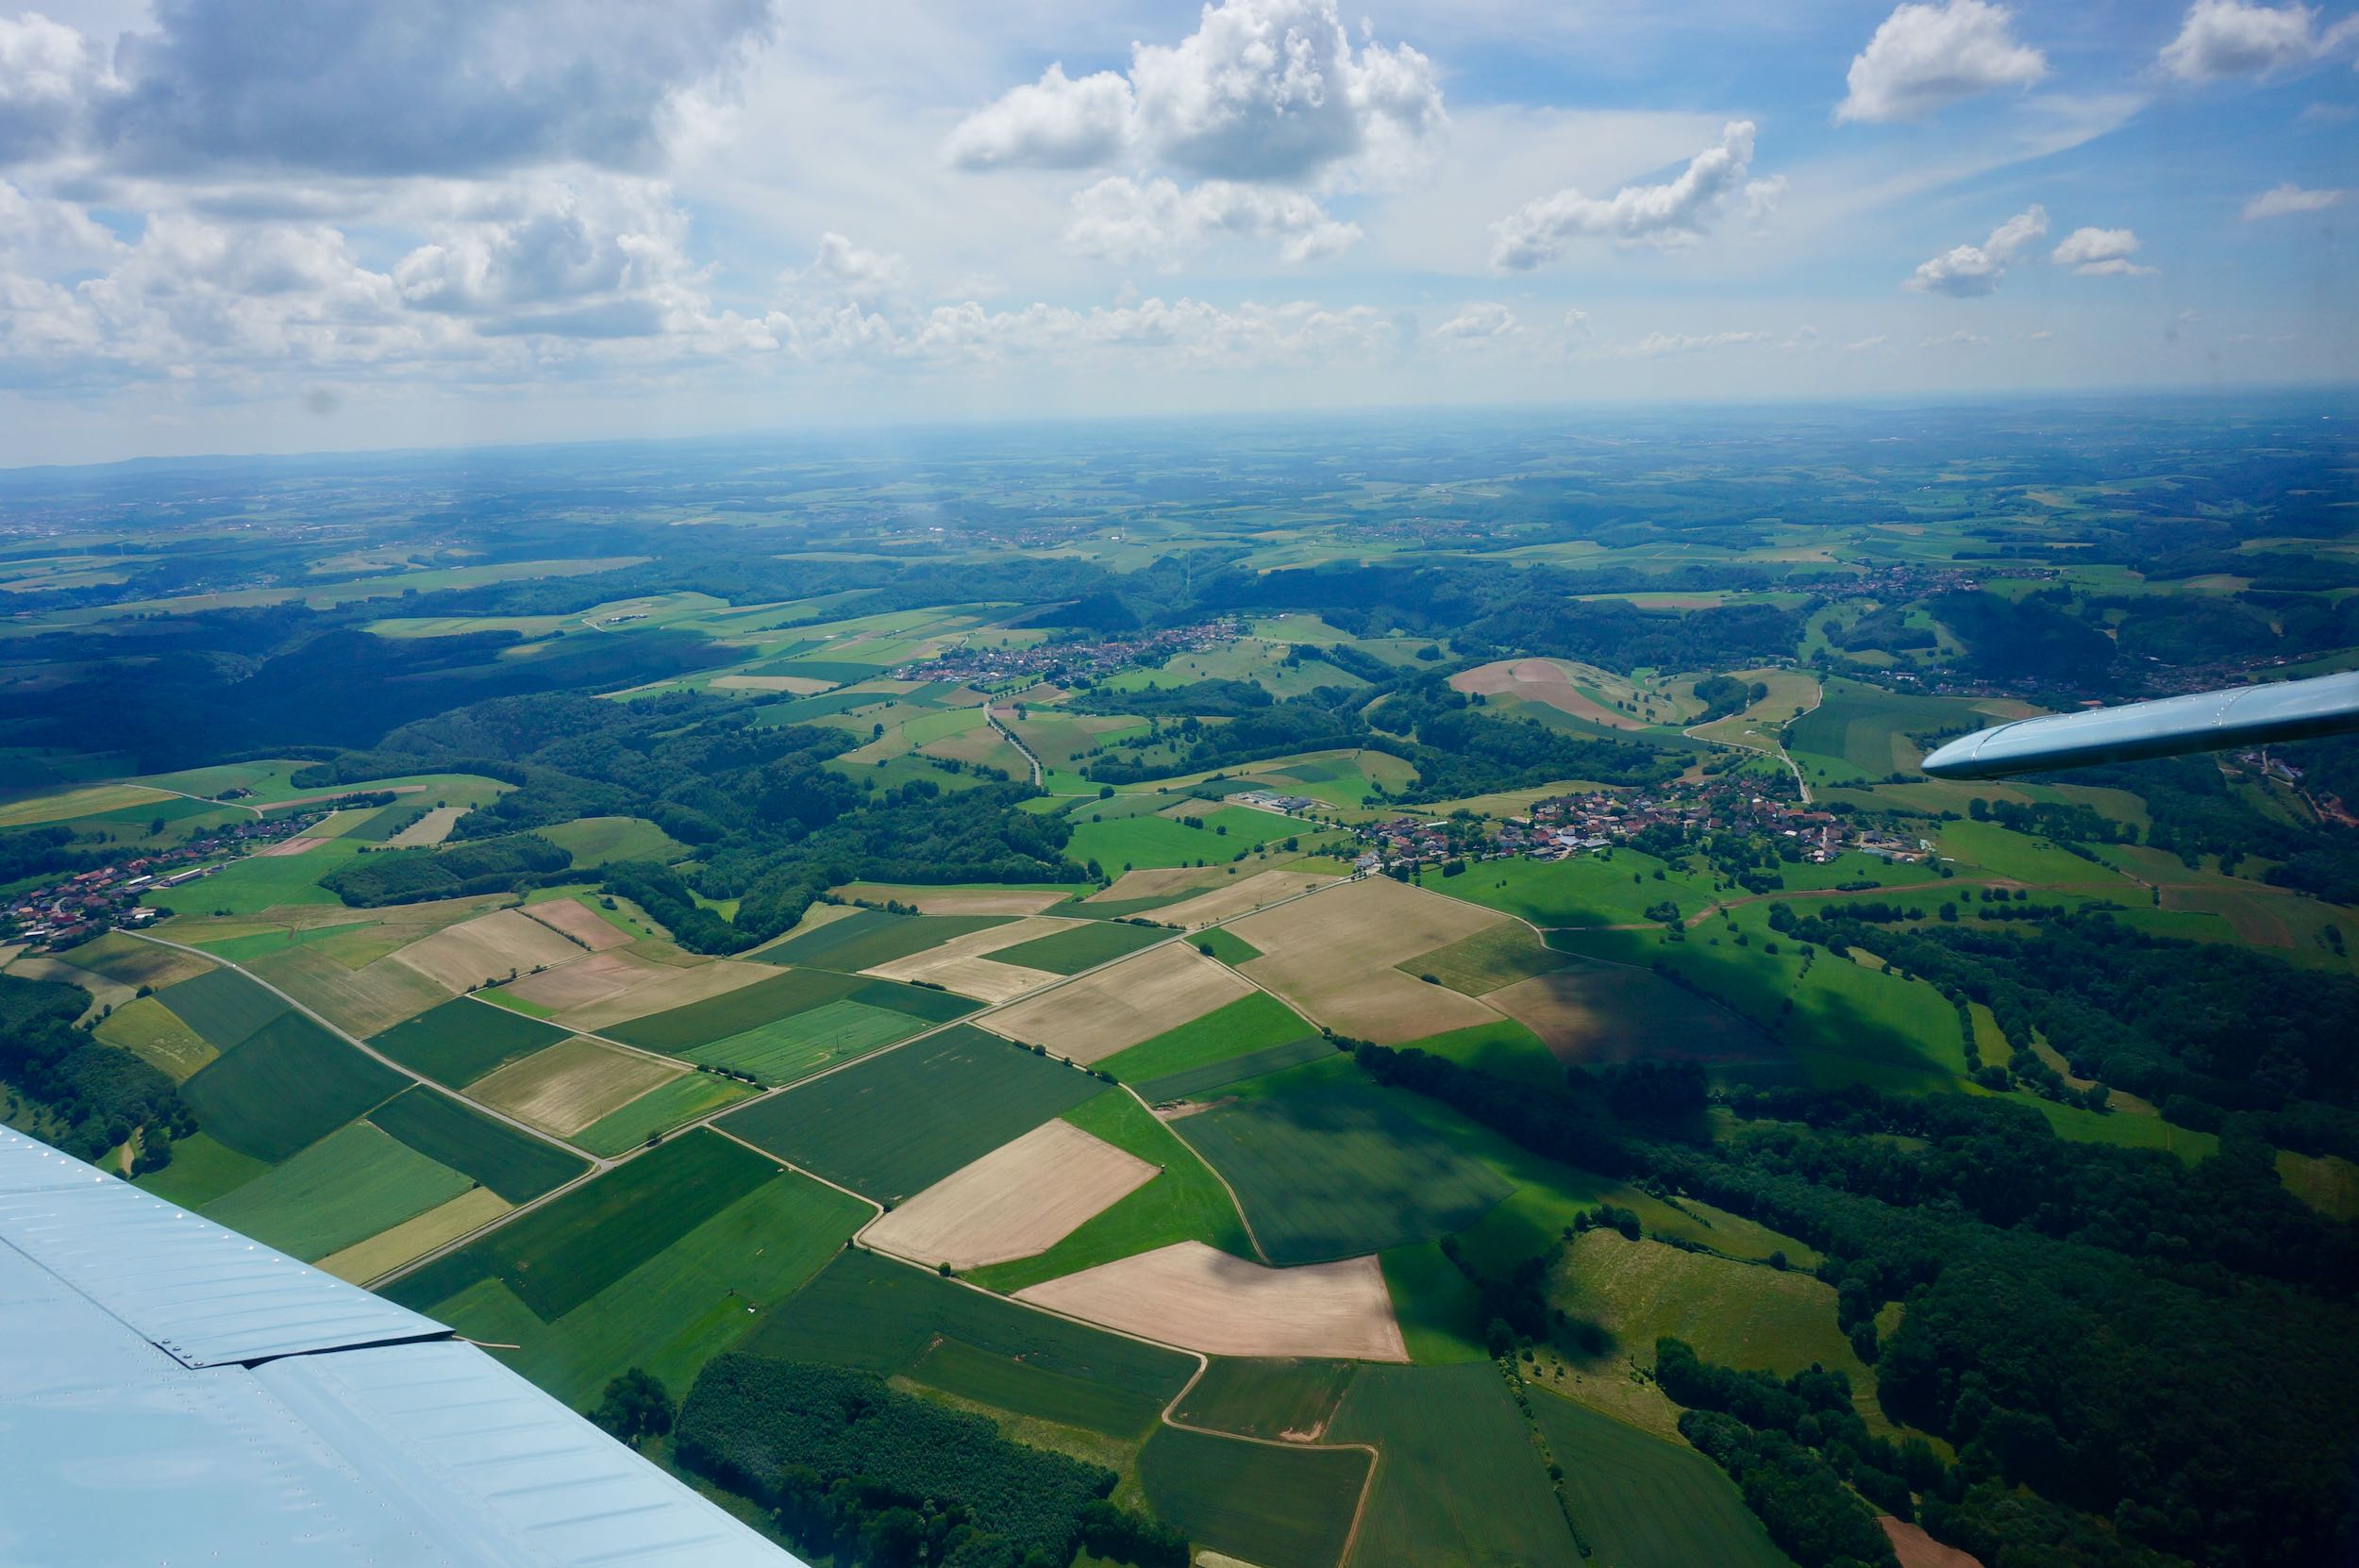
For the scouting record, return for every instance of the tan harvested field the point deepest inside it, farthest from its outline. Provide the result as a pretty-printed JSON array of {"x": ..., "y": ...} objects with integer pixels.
[
  {"x": 1241, "y": 897},
  {"x": 1540, "y": 681},
  {"x": 573, "y": 1083},
  {"x": 1113, "y": 1009},
  {"x": 487, "y": 948},
  {"x": 295, "y": 845},
  {"x": 1158, "y": 881},
  {"x": 586, "y": 981},
  {"x": 1196, "y": 1296},
  {"x": 1916, "y": 1549},
  {"x": 87, "y": 801},
  {"x": 1332, "y": 955},
  {"x": 988, "y": 982},
  {"x": 581, "y": 922},
  {"x": 802, "y": 686},
  {"x": 431, "y": 828},
  {"x": 949, "y": 901},
  {"x": 359, "y": 1001},
  {"x": 675, "y": 989},
  {"x": 416, "y": 1237},
  {"x": 1020, "y": 1199}
]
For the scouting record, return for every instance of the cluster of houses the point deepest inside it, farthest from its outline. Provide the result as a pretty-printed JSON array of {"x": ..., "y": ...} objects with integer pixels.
[
  {"x": 73, "y": 909},
  {"x": 1065, "y": 663},
  {"x": 1269, "y": 800}
]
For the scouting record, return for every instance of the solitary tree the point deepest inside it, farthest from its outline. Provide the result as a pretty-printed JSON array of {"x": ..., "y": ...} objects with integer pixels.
[{"x": 637, "y": 1406}]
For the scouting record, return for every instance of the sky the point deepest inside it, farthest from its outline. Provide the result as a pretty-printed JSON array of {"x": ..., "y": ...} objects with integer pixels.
[{"x": 243, "y": 226}]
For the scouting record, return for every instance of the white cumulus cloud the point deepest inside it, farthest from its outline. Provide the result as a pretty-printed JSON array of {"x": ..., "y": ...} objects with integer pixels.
[
  {"x": 1964, "y": 270},
  {"x": 2099, "y": 253},
  {"x": 2231, "y": 38},
  {"x": 1124, "y": 219},
  {"x": 2284, "y": 200},
  {"x": 1262, "y": 90},
  {"x": 1480, "y": 320},
  {"x": 1673, "y": 214},
  {"x": 1926, "y": 56}
]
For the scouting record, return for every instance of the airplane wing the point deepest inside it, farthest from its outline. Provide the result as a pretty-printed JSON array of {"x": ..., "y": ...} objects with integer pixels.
[
  {"x": 2202, "y": 720},
  {"x": 171, "y": 1392}
]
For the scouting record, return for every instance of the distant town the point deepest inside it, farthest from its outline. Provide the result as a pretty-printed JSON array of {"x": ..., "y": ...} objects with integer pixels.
[{"x": 1063, "y": 662}]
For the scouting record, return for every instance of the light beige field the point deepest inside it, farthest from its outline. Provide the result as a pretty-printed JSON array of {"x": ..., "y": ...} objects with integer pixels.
[
  {"x": 487, "y": 948},
  {"x": 1332, "y": 954},
  {"x": 587, "y": 981},
  {"x": 295, "y": 845},
  {"x": 416, "y": 1237},
  {"x": 125, "y": 958},
  {"x": 1241, "y": 897},
  {"x": 1115, "y": 1007},
  {"x": 1157, "y": 882},
  {"x": 359, "y": 1001},
  {"x": 1916, "y": 1549},
  {"x": 578, "y": 921},
  {"x": 1540, "y": 681},
  {"x": 154, "y": 1033},
  {"x": 88, "y": 801},
  {"x": 571, "y": 1084},
  {"x": 675, "y": 989},
  {"x": 802, "y": 686},
  {"x": 431, "y": 828},
  {"x": 1196, "y": 1296},
  {"x": 986, "y": 981},
  {"x": 1020, "y": 1199},
  {"x": 949, "y": 901}
]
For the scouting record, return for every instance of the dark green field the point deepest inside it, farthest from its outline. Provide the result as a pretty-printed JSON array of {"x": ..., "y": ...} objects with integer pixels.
[
  {"x": 1272, "y": 1058},
  {"x": 1085, "y": 947},
  {"x": 1267, "y": 1399},
  {"x": 463, "y": 1038},
  {"x": 1226, "y": 945},
  {"x": 898, "y": 1123},
  {"x": 873, "y": 937},
  {"x": 660, "y": 1110},
  {"x": 881, "y": 1316},
  {"x": 1249, "y": 1024},
  {"x": 1646, "y": 1502},
  {"x": 733, "y": 1012},
  {"x": 516, "y": 1165},
  {"x": 290, "y": 1084},
  {"x": 1337, "y": 1171},
  {"x": 1862, "y": 731},
  {"x": 557, "y": 1258},
  {"x": 1274, "y": 1507},
  {"x": 222, "y": 1005},
  {"x": 1461, "y": 1481}
]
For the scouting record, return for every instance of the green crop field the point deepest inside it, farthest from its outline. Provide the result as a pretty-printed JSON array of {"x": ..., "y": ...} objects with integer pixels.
[
  {"x": 222, "y": 1005},
  {"x": 1737, "y": 1314},
  {"x": 1186, "y": 1203},
  {"x": 1273, "y": 1507},
  {"x": 794, "y": 1047},
  {"x": 343, "y": 1188},
  {"x": 885, "y": 1317},
  {"x": 1083, "y": 947},
  {"x": 202, "y": 1169},
  {"x": 1862, "y": 731},
  {"x": 1586, "y": 890},
  {"x": 1289, "y": 1400},
  {"x": 1219, "y": 1074},
  {"x": 155, "y": 1034},
  {"x": 734, "y": 1012},
  {"x": 1506, "y": 1049},
  {"x": 1489, "y": 958},
  {"x": 1646, "y": 1502},
  {"x": 1439, "y": 1309},
  {"x": 562, "y": 1254},
  {"x": 261, "y": 882},
  {"x": 1461, "y": 1481},
  {"x": 1337, "y": 1170},
  {"x": 127, "y": 960},
  {"x": 516, "y": 1165},
  {"x": 290, "y": 1084},
  {"x": 896, "y": 1124},
  {"x": 463, "y": 1038},
  {"x": 1141, "y": 842},
  {"x": 1249, "y": 1024},
  {"x": 1226, "y": 945},
  {"x": 682, "y": 1305},
  {"x": 873, "y": 937},
  {"x": 659, "y": 1111},
  {"x": 598, "y": 840}
]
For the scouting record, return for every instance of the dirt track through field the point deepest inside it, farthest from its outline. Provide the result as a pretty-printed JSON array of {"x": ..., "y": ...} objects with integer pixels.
[
  {"x": 489, "y": 947},
  {"x": 1196, "y": 1296},
  {"x": 1543, "y": 681},
  {"x": 1022, "y": 1198},
  {"x": 1242, "y": 898},
  {"x": 579, "y": 922}
]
